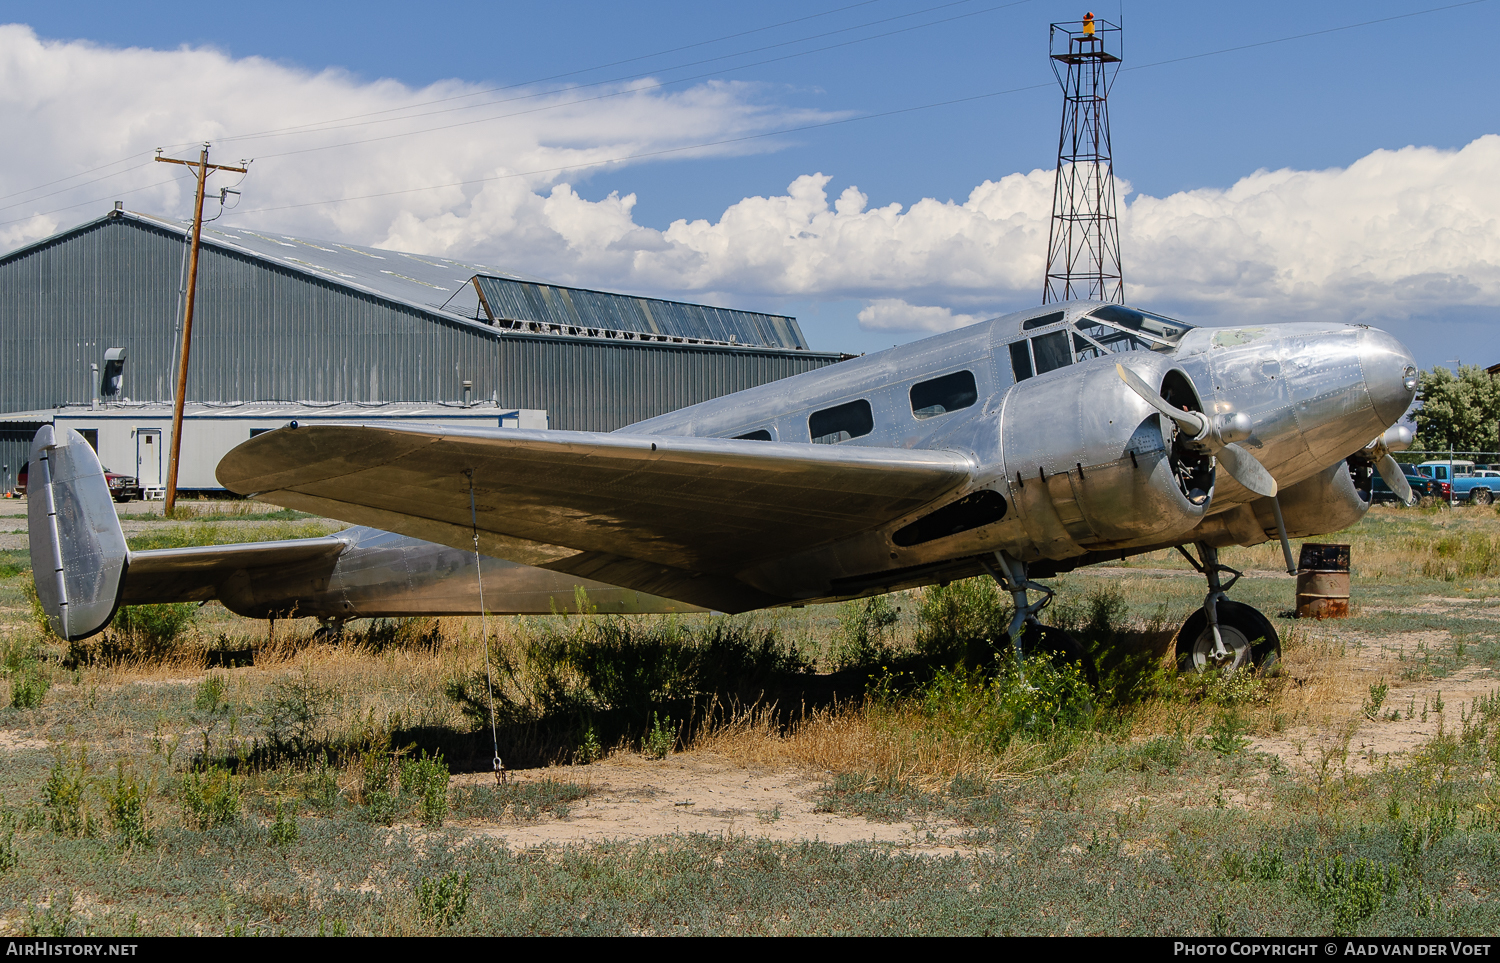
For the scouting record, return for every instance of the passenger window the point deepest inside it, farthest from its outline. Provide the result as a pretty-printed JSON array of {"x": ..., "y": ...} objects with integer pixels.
[
  {"x": 833, "y": 425},
  {"x": 759, "y": 434},
  {"x": 1051, "y": 351},
  {"x": 942, "y": 395},
  {"x": 1020, "y": 360}
]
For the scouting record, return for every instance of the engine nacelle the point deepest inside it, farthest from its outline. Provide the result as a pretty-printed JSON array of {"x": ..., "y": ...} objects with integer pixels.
[
  {"x": 1088, "y": 466},
  {"x": 1329, "y": 501}
]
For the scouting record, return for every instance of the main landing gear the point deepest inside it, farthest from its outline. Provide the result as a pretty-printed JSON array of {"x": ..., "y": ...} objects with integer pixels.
[
  {"x": 1225, "y": 635},
  {"x": 1027, "y": 633}
]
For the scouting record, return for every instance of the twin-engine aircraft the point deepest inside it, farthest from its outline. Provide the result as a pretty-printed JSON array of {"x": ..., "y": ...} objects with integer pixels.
[{"x": 1021, "y": 448}]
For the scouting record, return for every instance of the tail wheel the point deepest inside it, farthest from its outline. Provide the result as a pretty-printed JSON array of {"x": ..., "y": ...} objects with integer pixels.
[{"x": 1248, "y": 635}]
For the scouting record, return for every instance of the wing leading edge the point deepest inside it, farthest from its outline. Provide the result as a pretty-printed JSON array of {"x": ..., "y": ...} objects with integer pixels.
[{"x": 673, "y": 516}]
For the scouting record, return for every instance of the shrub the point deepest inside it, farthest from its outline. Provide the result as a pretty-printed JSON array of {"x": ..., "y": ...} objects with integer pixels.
[
  {"x": 445, "y": 900},
  {"x": 10, "y": 857},
  {"x": 28, "y": 686},
  {"x": 294, "y": 711},
  {"x": 64, "y": 798},
  {"x": 963, "y": 621},
  {"x": 151, "y": 631},
  {"x": 125, "y": 803},
  {"x": 863, "y": 633},
  {"x": 425, "y": 781},
  {"x": 660, "y": 741},
  {"x": 1352, "y": 891},
  {"x": 284, "y": 831},
  {"x": 378, "y": 801},
  {"x": 210, "y": 798},
  {"x": 212, "y": 695}
]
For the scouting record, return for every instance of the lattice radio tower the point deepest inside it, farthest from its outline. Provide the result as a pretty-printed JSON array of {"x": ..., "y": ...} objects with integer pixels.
[{"x": 1083, "y": 246}]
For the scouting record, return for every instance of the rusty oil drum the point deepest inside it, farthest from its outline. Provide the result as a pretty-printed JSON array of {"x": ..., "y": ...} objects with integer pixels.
[{"x": 1323, "y": 582}]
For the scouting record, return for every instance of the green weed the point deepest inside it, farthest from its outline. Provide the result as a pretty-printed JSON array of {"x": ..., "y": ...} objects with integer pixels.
[
  {"x": 864, "y": 629},
  {"x": 210, "y": 798},
  {"x": 125, "y": 803},
  {"x": 1350, "y": 891},
  {"x": 445, "y": 900},
  {"x": 659, "y": 742},
  {"x": 425, "y": 780},
  {"x": 64, "y": 795},
  {"x": 284, "y": 829}
]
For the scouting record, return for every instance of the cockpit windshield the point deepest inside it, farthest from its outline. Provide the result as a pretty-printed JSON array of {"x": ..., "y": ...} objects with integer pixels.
[{"x": 1115, "y": 328}]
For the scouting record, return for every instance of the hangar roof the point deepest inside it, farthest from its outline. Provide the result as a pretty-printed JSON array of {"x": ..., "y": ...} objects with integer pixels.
[{"x": 452, "y": 287}]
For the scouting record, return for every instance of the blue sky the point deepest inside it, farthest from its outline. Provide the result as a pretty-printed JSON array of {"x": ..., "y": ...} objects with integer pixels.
[{"x": 1314, "y": 104}]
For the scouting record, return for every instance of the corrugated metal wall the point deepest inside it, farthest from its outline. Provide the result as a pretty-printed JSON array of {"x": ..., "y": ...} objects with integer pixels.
[
  {"x": 15, "y": 448},
  {"x": 265, "y": 332}
]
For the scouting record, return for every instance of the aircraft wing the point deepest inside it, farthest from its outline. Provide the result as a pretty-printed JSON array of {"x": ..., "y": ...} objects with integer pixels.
[
  {"x": 196, "y": 574},
  {"x": 670, "y": 515}
]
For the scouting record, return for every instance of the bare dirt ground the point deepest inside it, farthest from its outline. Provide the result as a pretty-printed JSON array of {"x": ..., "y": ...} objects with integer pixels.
[{"x": 635, "y": 799}]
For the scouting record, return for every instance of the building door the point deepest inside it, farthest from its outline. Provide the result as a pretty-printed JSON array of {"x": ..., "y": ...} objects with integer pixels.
[{"x": 148, "y": 458}]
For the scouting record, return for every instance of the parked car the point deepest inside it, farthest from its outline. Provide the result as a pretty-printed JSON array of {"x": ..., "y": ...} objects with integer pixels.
[
  {"x": 1468, "y": 485},
  {"x": 122, "y": 487},
  {"x": 1423, "y": 486}
]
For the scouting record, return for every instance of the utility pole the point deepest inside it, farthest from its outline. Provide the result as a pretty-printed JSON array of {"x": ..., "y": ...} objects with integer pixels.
[{"x": 203, "y": 167}]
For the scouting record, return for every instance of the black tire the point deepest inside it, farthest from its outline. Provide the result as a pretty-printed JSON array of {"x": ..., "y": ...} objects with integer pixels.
[
  {"x": 1242, "y": 627},
  {"x": 1064, "y": 649},
  {"x": 1481, "y": 496}
]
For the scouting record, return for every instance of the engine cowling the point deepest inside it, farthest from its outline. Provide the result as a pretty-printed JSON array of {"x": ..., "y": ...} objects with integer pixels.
[{"x": 1090, "y": 466}]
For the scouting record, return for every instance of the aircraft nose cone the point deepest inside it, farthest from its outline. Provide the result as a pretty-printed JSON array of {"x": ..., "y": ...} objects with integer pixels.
[{"x": 1390, "y": 374}]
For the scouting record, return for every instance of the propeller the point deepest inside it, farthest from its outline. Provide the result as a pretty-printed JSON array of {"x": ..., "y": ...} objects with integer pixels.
[
  {"x": 1396, "y": 438},
  {"x": 1215, "y": 435}
]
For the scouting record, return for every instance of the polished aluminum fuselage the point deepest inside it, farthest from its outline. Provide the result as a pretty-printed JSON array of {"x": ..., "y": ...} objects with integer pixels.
[{"x": 1080, "y": 459}]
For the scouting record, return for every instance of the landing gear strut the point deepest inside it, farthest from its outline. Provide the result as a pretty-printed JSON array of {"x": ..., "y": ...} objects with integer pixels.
[
  {"x": 1225, "y": 635},
  {"x": 1026, "y": 631}
]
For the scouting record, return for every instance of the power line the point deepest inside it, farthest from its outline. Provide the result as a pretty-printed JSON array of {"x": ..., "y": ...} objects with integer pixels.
[
  {"x": 832, "y": 123},
  {"x": 617, "y": 80},
  {"x": 569, "y": 73},
  {"x": 634, "y": 90}
]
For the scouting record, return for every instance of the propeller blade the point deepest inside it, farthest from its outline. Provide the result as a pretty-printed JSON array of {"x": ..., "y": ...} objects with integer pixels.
[
  {"x": 1246, "y": 469},
  {"x": 1395, "y": 478},
  {"x": 1190, "y": 421}
]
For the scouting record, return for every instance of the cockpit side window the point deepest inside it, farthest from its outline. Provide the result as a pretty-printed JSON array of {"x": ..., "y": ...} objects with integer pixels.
[
  {"x": 942, "y": 395},
  {"x": 1020, "y": 359},
  {"x": 1051, "y": 351},
  {"x": 833, "y": 425}
]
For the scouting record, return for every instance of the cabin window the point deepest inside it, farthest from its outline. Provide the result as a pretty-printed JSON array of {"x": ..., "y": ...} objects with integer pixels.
[
  {"x": 942, "y": 395},
  {"x": 259, "y": 431},
  {"x": 759, "y": 434},
  {"x": 1032, "y": 324},
  {"x": 1051, "y": 351},
  {"x": 833, "y": 425},
  {"x": 1020, "y": 360}
]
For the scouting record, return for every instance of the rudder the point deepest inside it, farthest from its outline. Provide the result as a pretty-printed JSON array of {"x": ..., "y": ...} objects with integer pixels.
[{"x": 78, "y": 553}]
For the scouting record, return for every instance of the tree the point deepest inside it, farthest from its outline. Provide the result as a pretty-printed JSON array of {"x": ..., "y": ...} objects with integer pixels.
[{"x": 1459, "y": 411}]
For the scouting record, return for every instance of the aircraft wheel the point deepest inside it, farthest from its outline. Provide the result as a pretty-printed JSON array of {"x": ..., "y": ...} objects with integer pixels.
[
  {"x": 1248, "y": 635},
  {"x": 1064, "y": 649}
]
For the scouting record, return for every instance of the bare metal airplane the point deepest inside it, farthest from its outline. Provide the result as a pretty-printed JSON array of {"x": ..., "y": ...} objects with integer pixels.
[{"x": 1023, "y": 447}]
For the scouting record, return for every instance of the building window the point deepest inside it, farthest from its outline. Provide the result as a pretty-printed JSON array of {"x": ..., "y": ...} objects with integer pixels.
[
  {"x": 833, "y": 425},
  {"x": 942, "y": 395}
]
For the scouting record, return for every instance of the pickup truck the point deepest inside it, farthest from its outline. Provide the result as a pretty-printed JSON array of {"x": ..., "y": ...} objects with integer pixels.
[
  {"x": 1423, "y": 486},
  {"x": 1467, "y": 486},
  {"x": 121, "y": 487}
]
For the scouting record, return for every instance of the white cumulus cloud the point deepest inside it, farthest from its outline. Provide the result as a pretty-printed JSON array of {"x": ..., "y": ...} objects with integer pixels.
[{"x": 1397, "y": 233}]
